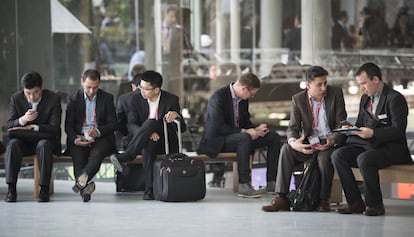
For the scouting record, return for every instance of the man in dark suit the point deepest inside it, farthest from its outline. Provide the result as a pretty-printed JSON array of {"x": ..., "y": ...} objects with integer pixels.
[
  {"x": 229, "y": 129},
  {"x": 341, "y": 38},
  {"x": 380, "y": 142},
  {"x": 90, "y": 125},
  {"x": 145, "y": 122},
  {"x": 122, "y": 108},
  {"x": 34, "y": 128},
  {"x": 315, "y": 112}
]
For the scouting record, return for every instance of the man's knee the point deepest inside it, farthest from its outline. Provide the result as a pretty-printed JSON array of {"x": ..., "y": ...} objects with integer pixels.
[{"x": 44, "y": 144}]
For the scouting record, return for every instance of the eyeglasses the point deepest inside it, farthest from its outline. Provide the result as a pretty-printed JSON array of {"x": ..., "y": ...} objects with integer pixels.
[
  {"x": 145, "y": 89},
  {"x": 252, "y": 92}
]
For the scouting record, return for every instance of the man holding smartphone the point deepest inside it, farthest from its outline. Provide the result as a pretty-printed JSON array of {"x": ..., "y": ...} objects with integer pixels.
[
  {"x": 33, "y": 128},
  {"x": 90, "y": 125},
  {"x": 315, "y": 112}
]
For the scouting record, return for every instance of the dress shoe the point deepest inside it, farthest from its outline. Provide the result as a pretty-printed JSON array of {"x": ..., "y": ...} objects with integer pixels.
[
  {"x": 11, "y": 196},
  {"x": 324, "y": 205},
  {"x": 148, "y": 195},
  {"x": 247, "y": 191},
  {"x": 277, "y": 204},
  {"x": 356, "y": 207},
  {"x": 87, "y": 191},
  {"x": 115, "y": 161},
  {"x": 375, "y": 210},
  {"x": 80, "y": 183},
  {"x": 43, "y": 195}
]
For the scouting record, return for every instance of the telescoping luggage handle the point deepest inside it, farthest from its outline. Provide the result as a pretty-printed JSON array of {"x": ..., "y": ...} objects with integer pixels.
[{"x": 167, "y": 145}]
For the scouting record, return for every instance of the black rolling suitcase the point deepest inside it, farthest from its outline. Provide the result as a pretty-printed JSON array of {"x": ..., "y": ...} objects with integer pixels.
[{"x": 178, "y": 178}]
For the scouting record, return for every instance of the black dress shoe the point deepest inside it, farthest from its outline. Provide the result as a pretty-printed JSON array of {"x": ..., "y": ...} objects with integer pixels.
[
  {"x": 356, "y": 207},
  {"x": 11, "y": 196},
  {"x": 43, "y": 196},
  {"x": 148, "y": 195},
  {"x": 375, "y": 210},
  {"x": 87, "y": 191}
]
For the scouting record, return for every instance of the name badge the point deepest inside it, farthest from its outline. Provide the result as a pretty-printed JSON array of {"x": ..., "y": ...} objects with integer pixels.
[{"x": 382, "y": 116}]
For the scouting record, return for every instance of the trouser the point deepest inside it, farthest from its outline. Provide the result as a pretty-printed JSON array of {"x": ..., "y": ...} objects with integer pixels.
[
  {"x": 17, "y": 149},
  {"x": 369, "y": 162},
  {"x": 289, "y": 158}
]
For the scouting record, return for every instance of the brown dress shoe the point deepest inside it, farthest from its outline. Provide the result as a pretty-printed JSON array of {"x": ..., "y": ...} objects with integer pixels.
[
  {"x": 375, "y": 210},
  {"x": 325, "y": 205},
  {"x": 356, "y": 207},
  {"x": 277, "y": 204}
]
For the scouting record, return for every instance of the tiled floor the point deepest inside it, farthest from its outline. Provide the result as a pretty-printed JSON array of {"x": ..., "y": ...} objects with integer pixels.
[{"x": 221, "y": 213}]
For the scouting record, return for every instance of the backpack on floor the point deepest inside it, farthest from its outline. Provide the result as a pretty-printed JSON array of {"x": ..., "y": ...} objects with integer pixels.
[{"x": 306, "y": 195}]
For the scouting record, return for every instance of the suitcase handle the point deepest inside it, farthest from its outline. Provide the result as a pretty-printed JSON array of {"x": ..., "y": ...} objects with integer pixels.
[{"x": 167, "y": 145}]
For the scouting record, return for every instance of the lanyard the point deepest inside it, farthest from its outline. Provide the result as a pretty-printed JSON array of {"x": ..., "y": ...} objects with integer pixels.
[{"x": 315, "y": 119}]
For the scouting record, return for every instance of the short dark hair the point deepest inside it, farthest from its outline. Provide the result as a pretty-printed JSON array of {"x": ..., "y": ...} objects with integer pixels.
[
  {"x": 31, "y": 80},
  {"x": 137, "y": 68},
  {"x": 371, "y": 69},
  {"x": 137, "y": 79},
  {"x": 91, "y": 74},
  {"x": 250, "y": 80},
  {"x": 153, "y": 77},
  {"x": 315, "y": 71}
]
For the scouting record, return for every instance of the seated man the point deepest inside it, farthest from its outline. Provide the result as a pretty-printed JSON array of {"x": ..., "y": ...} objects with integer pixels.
[
  {"x": 229, "y": 129},
  {"x": 122, "y": 108},
  {"x": 145, "y": 123},
  {"x": 34, "y": 128},
  {"x": 90, "y": 125},
  {"x": 315, "y": 112},
  {"x": 380, "y": 142}
]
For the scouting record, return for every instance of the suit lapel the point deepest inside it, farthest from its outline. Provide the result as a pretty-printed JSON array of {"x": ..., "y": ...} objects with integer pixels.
[
  {"x": 162, "y": 106},
  {"x": 382, "y": 100}
]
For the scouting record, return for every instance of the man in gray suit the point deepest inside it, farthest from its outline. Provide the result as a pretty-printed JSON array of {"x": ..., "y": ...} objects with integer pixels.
[{"x": 315, "y": 112}]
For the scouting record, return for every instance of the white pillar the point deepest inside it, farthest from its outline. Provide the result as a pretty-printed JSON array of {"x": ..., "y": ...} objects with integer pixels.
[
  {"x": 270, "y": 34},
  {"x": 196, "y": 25},
  {"x": 235, "y": 30},
  {"x": 316, "y": 30}
]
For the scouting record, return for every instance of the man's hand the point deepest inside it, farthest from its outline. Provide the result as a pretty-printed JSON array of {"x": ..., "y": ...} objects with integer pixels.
[
  {"x": 364, "y": 132},
  {"x": 300, "y": 147},
  {"x": 27, "y": 127},
  {"x": 92, "y": 132},
  {"x": 79, "y": 141},
  {"x": 262, "y": 130},
  {"x": 170, "y": 116},
  {"x": 155, "y": 137},
  {"x": 29, "y": 116},
  {"x": 252, "y": 132},
  {"x": 329, "y": 143}
]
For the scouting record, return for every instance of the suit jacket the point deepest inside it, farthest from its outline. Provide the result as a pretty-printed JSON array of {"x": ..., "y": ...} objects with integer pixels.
[
  {"x": 301, "y": 114},
  {"x": 49, "y": 113},
  {"x": 139, "y": 112},
  {"x": 340, "y": 35},
  {"x": 220, "y": 121},
  {"x": 122, "y": 108},
  {"x": 389, "y": 124},
  {"x": 105, "y": 116}
]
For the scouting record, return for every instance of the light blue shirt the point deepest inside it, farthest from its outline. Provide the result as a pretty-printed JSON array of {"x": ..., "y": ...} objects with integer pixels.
[
  {"x": 320, "y": 118},
  {"x": 90, "y": 120}
]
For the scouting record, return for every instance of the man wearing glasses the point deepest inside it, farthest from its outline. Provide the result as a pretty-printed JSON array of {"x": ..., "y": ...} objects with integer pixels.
[
  {"x": 229, "y": 129},
  {"x": 145, "y": 123}
]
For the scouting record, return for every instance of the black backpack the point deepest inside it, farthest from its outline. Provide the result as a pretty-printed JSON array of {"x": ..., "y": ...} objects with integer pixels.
[{"x": 306, "y": 195}]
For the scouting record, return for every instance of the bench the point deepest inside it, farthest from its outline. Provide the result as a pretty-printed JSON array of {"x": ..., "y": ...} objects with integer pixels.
[
  {"x": 222, "y": 157},
  {"x": 392, "y": 174}
]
